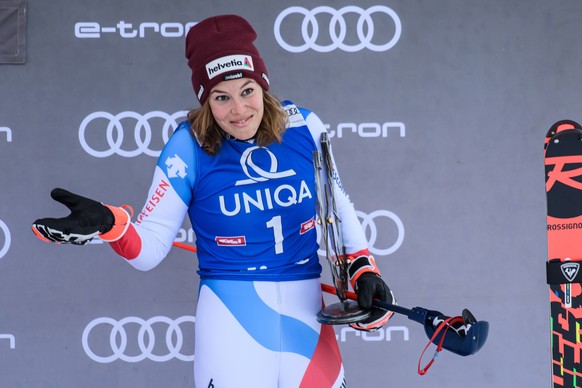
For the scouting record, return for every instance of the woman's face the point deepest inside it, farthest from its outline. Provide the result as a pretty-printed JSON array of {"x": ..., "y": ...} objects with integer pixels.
[{"x": 237, "y": 107}]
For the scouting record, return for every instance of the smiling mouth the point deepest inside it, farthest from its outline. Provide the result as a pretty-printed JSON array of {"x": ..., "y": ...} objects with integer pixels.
[{"x": 241, "y": 122}]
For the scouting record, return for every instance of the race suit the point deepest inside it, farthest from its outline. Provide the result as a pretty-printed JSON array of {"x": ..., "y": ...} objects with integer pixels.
[{"x": 253, "y": 211}]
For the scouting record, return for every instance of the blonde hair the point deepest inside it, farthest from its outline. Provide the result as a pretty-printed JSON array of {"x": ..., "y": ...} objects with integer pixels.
[{"x": 210, "y": 135}]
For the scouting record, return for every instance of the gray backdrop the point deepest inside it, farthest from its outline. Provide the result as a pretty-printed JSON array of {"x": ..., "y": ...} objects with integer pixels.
[{"x": 437, "y": 109}]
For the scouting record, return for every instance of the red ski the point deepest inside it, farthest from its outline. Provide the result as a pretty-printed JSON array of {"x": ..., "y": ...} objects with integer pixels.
[{"x": 563, "y": 168}]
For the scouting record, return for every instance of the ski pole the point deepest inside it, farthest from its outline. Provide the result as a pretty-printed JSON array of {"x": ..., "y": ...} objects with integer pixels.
[{"x": 461, "y": 345}]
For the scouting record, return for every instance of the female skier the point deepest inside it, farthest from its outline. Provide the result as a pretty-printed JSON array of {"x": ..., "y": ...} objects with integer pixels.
[{"x": 241, "y": 167}]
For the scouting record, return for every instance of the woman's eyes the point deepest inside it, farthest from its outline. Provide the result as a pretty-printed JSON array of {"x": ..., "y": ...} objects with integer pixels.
[{"x": 224, "y": 97}]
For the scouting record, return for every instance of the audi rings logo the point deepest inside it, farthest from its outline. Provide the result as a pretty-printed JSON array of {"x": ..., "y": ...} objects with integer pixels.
[
  {"x": 7, "y": 239},
  {"x": 382, "y": 220},
  {"x": 107, "y": 133},
  {"x": 145, "y": 337},
  {"x": 379, "y": 226},
  {"x": 387, "y": 34}
]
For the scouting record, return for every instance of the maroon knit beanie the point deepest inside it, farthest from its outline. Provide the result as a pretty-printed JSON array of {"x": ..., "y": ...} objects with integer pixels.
[{"x": 221, "y": 48}]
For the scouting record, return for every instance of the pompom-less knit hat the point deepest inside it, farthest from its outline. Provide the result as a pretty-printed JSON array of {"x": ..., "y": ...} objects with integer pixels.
[{"x": 221, "y": 48}]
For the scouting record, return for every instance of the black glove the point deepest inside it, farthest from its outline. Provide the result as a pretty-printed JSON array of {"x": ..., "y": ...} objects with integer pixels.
[
  {"x": 88, "y": 219},
  {"x": 369, "y": 286}
]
